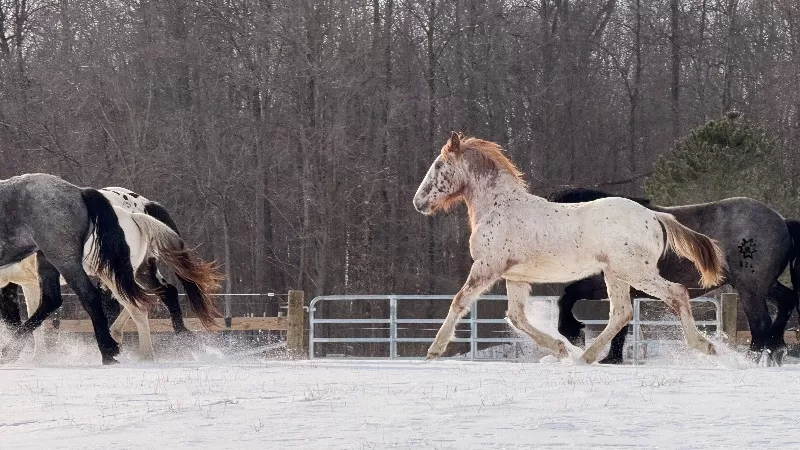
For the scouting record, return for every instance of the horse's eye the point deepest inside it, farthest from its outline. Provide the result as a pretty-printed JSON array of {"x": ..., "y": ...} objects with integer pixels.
[{"x": 438, "y": 165}]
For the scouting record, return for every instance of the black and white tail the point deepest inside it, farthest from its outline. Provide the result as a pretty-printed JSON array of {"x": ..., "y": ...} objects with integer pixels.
[
  {"x": 110, "y": 254},
  {"x": 200, "y": 278}
]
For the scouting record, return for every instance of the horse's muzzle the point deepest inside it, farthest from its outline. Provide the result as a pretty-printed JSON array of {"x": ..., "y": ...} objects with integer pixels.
[{"x": 422, "y": 206}]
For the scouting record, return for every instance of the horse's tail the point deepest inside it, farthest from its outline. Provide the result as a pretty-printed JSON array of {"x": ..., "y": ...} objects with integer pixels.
[
  {"x": 794, "y": 264},
  {"x": 156, "y": 210},
  {"x": 696, "y": 247},
  {"x": 200, "y": 278},
  {"x": 110, "y": 254}
]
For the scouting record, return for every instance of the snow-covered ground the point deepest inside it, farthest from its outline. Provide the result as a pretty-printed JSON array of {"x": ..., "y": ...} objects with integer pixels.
[{"x": 219, "y": 402}]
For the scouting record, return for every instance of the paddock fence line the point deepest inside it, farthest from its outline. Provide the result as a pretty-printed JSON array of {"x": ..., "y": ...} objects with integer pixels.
[
  {"x": 392, "y": 324},
  {"x": 291, "y": 322}
]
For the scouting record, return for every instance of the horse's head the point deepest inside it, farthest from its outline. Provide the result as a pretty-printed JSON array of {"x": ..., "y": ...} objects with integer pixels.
[{"x": 444, "y": 183}]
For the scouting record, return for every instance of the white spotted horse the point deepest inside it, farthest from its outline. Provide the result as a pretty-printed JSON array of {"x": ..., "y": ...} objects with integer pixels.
[
  {"x": 758, "y": 243},
  {"x": 148, "y": 238},
  {"x": 525, "y": 239}
]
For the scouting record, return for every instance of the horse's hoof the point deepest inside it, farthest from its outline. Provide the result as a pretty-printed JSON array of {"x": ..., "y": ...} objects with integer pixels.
[
  {"x": 109, "y": 361},
  {"x": 561, "y": 350},
  {"x": 432, "y": 356},
  {"x": 575, "y": 340},
  {"x": 776, "y": 357},
  {"x": 11, "y": 352},
  {"x": 184, "y": 337},
  {"x": 710, "y": 349},
  {"x": 578, "y": 340},
  {"x": 117, "y": 337},
  {"x": 611, "y": 359},
  {"x": 110, "y": 350},
  {"x": 753, "y": 356}
]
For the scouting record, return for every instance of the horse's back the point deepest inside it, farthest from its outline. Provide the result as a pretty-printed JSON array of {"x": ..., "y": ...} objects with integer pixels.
[
  {"x": 125, "y": 199},
  {"x": 38, "y": 209},
  {"x": 561, "y": 242},
  {"x": 620, "y": 224}
]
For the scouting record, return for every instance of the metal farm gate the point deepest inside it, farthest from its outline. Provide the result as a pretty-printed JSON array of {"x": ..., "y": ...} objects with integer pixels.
[{"x": 393, "y": 324}]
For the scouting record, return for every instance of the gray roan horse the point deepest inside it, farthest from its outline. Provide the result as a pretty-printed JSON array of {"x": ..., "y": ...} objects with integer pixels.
[
  {"x": 758, "y": 244},
  {"x": 43, "y": 213},
  {"x": 197, "y": 295}
]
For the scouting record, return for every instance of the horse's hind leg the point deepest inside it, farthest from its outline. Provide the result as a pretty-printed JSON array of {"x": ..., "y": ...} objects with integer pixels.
[
  {"x": 9, "y": 308},
  {"x": 119, "y": 324},
  {"x": 616, "y": 348},
  {"x": 114, "y": 307},
  {"x": 140, "y": 318},
  {"x": 755, "y": 309},
  {"x": 568, "y": 325},
  {"x": 169, "y": 296},
  {"x": 148, "y": 275},
  {"x": 139, "y": 314},
  {"x": 787, "y": 301},
  {"x": 517, "y": 299},
  {"x": 677, "y": 297},
  {"x": 619, "y": 314},
  {"x": 90, "y": 299}
]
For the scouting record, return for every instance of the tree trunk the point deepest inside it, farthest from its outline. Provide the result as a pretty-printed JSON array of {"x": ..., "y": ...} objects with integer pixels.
[
  {"x": 66, "y": 27},
  {"x": 431, "y": 75},
  {"x": 20, "y": 19},
  {"x": 227, "y": 258},
  {"x": 699, "y": 76},
  {"x": 676, "y": 70},
  {"x": 731, "y": 8},
  {"x": 637, "y": 80}
]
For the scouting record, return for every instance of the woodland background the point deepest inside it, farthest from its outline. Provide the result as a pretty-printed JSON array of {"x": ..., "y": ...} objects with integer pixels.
[{"x": 288, "y": 137}]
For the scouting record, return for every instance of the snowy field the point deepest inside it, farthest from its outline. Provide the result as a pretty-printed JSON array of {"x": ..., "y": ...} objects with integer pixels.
[{"x": 220, "y": 402}]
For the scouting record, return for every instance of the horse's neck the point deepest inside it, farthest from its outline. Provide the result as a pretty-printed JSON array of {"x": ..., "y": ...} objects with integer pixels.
[{"x": 487, "y": 194}]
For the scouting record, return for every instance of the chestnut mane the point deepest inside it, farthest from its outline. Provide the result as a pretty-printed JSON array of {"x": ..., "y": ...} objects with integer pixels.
[{"x": 486, "y": 154}]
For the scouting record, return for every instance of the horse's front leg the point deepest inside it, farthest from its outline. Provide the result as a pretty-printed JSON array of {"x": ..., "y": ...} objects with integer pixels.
[{"x": 481, "y": 277}]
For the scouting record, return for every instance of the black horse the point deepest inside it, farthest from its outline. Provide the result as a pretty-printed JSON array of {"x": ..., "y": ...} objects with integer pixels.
[{"x": 758, "y": 244}]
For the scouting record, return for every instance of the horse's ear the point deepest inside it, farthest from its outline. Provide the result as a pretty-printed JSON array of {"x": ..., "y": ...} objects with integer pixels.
[{"x": 455, "y": 143}]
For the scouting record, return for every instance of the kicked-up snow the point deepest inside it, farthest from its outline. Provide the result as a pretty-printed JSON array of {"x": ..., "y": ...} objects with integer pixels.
[{"x": 699, "y": 403}]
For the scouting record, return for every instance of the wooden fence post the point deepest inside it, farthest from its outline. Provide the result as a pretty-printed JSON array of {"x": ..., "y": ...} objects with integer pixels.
[
  {"x": 730, "y": 304},
  {"x": 296, "y": 316}
]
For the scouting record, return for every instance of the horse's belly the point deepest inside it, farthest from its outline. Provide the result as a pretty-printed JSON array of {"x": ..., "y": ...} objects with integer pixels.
[{"x": 552, "y": 272}]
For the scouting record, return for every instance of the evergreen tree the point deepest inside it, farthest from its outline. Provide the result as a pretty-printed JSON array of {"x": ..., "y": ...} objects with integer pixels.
[{"x": 730, "y": 157}]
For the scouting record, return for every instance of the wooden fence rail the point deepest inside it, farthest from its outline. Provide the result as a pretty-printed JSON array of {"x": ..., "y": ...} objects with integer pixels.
[
  {"x": 293, "y": 323},
  {"x": 165, "y": 325}
]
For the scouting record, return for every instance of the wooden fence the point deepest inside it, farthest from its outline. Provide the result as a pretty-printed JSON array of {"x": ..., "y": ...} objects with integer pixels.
[{"x": 293, "y": 324}]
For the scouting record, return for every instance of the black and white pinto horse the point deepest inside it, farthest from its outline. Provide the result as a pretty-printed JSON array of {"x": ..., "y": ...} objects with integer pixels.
[
  {"x": 168, "y": 293},
  {"x": 60, "y": 222},
  {"x": 148, "y": 238},
  {"x": 758, "y": 244}
]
